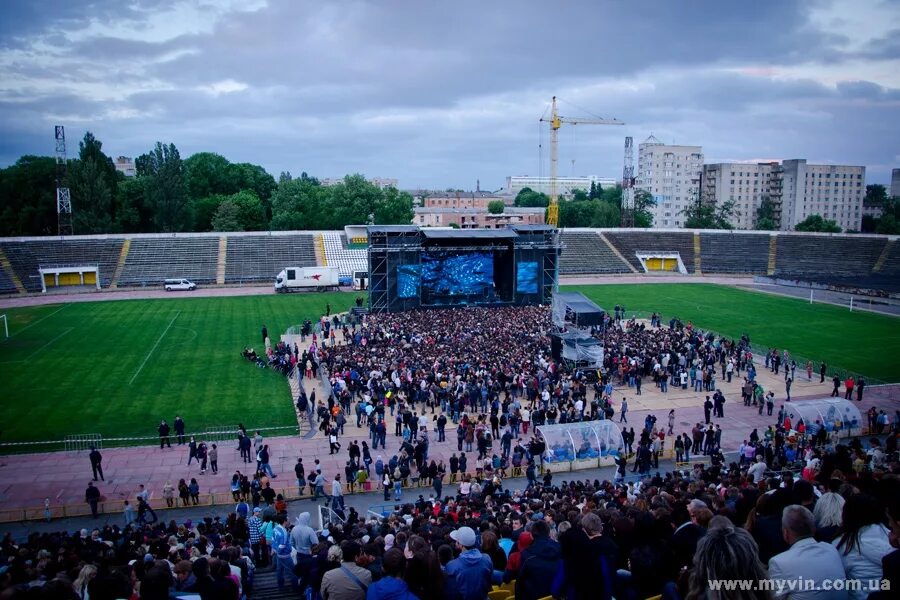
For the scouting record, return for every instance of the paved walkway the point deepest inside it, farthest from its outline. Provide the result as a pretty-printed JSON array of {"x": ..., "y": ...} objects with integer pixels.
[{"x": 26, "y": 480}]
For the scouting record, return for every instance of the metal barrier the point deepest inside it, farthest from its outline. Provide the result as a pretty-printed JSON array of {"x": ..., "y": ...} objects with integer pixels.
[{"x": 82, "y": 442}]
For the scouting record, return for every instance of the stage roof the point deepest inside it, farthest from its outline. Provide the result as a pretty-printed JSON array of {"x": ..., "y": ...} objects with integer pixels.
[
  {"x": 481, "y": 234},
  {"x": 393, "y": 228}
]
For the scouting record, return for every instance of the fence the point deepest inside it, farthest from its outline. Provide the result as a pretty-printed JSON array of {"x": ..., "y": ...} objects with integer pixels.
[{"x": 80, "y": 443}]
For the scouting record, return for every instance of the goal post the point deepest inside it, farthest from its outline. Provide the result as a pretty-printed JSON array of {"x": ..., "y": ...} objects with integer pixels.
[{"x": 5, "y": 327}]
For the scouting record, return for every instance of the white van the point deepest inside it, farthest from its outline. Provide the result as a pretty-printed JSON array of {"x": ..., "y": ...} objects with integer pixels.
[{"x": 179, "y": 284}]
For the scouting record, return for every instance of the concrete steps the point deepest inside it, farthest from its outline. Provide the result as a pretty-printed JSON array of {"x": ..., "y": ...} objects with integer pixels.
[
  {"x": 220, "y": 262},
  {"x": 120, "y": 265},
  {"x": 10, "y": 272},
  {"x": 773, "y": 252}
]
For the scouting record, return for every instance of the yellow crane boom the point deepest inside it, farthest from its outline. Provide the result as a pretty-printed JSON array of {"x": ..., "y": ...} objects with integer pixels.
[{"x": 556, "y": 121}]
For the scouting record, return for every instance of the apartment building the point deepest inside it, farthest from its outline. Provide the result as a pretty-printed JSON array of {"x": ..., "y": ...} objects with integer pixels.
[
  {"x": 462, "y": 199},
  {"x": 671, "y": 173},
  {"x": 745, "y": 184},
  {"x": 564, "y": 185}
]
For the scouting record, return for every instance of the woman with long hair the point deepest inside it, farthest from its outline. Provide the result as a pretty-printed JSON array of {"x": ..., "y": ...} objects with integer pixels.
[
  {"x": 423, "y": 572},
  {"x": 863, "y": 540},
  {"x": 87, "y": 573}
]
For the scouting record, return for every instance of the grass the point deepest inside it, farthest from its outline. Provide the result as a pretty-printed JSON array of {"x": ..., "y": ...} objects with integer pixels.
[
  {"x": 118, "y": 367},
  {"x": 858, "y": 342}
]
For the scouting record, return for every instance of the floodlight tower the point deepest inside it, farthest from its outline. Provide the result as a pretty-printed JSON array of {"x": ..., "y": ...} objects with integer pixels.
[
  {"x": 628, "y": 185},
  {"x": 63, "y": 198}
]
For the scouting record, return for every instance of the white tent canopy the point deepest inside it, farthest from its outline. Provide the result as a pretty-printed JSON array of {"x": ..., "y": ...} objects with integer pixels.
[
  {"x": 585, "y": 440},
  {"x": 835, "y": 414}
]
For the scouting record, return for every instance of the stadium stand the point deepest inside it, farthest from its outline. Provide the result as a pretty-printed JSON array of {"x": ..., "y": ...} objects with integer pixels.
[
  {"x": 255, "y": 258},
  {"x": 834, "y": 255},
  {"x": 585, "y": 253},
  {"x": 630, "y": 242},
  {"x": 27, "y": 257},
  {"x": 337, "y": 254},
  {"x": 151, "y": 260},
  {"x": 734, "y": 253},
  {"x": 6, "y": 284},
  {"x": 891, "y": 263}
]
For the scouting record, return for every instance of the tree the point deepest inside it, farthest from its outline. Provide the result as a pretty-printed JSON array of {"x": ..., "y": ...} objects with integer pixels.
[
  {"x": 285, "y": 176},
  {"x": 496, "y": 207},
  {"x": 706, "y": 215},
  {"x": 227, "y": 217},
  {"x": 91, "y": 197},
  {"x": 876, "y": 195},
  {"x": 606, "y": 214},
  {"x": 28, "y": 197},
  {"x": 643, "y": 202},
  {"x": 296, "y": 204},
  {"x": 132, "y": 213},
  {"x": 765, "y": 215},
  {"x": 817, "y": 223},
  {"x": 166, "y": 191},
  {"x": 592, "y": 194},
  {"x": 529, "y": 198},
  {"x": 207, "y": 174},
  {"x": 580, "y": 196},
  {"x": 395, "y": 208},
  {"x": 577, "y": 214}
]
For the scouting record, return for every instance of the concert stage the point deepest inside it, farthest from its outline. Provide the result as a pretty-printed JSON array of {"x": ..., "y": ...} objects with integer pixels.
[{"x": 412, "y": 267}]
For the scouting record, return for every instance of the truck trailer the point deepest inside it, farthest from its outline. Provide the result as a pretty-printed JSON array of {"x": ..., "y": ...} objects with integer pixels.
[{"x": 292, "y": 279}]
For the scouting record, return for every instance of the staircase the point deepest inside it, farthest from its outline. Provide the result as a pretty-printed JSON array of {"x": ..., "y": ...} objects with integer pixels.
[
  {"x": 697, "y": 263},
  {"x": 220, "y": 262},
  {"x": 617, "y": 253},
  {"x": 884, "y": 256},
  {"x": 265, "y": 586},
  {"x": 773, "y": 247},
  {"x": 10, "y": 272},
  {"x": 321, "y": 258},
  {"x": 120, "y": 265}
]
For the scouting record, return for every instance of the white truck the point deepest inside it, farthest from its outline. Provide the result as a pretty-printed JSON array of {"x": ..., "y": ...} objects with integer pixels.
[{"x": 292, "y": 279}]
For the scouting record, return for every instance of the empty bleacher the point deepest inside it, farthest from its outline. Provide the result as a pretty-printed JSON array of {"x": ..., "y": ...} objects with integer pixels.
[
  {"x": 6, "y": 284},
  {"x": 584, "y": 253},
  {"x": 337, "y": 254},
  {"x": 891, "y": 265},
  {"x": 728, "y": 252},
  {"x": 151, "y": 260},
  {"x": 630, "y": 242},
  {"x": 259, "y": 258},
  {"x": 26, "y": 258},
  {"x": 834, "y": 255}
]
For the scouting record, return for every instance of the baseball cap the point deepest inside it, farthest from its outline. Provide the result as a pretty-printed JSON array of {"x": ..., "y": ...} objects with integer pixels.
[
  {"x": 256, "y": 510},
  {"x": 465, "y": 536}
]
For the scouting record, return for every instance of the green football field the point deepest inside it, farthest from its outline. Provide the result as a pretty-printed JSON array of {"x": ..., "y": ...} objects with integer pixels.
[
  {"x": 118, "y": 367},
  {"x": 858, "y": 342}
]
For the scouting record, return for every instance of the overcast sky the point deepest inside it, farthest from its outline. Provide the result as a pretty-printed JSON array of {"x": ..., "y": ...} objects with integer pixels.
[{"x": 442, "y": 93}]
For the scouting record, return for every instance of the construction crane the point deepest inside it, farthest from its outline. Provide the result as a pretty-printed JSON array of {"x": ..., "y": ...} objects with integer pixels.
[{"x": 556, "y": 121}]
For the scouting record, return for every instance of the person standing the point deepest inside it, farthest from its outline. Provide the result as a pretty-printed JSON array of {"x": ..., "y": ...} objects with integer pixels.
[
  {"x": 849, "y": 385},
  {"x": 300, "y": 473},
  {"x": 671, "y": 429},
  {"x": 860, "y": 385},
  {"x": 265, "y": 333},
  {"x": 214, "y": 459},
  {"x": 192, "y": 450},
  {"x": 96, "y": 460},
  {"x": 471, "y": 571},
  {"x": 623, "y": 410},
  {"x": 836, "y": 381},
  {"x": 281, "y": 548},
  {"x": 822, "y": 370},
  {"x": 179, "y": 429},
  {"x": 163, "y": 430},
  {"x": 337, "y": 495},
  {"x": 787, "y": 387},
  {"x": 92, "y": 497}
]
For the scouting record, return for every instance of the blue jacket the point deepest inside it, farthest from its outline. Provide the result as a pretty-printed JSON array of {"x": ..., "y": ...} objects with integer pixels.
[
  {"x": 472, "y": 572},
  {"x": 538, "y": 568},
  {"x": 281, "y": 541},
  {"x": 390, "y": 588}
]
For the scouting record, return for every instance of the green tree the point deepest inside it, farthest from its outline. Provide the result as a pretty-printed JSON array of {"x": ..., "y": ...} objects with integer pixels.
[
  {"x": 817, "y": 223},
  {"x": 285, "y": 176},
  {"x": 765, "y": 215},
  {"x": 643, "y": 202},
  {"x": 888, "y": 224},
  {"x": 28, "y": 197},
  {"x": 227, "y": 217},
  {"x": 606, "y": 214},
  {"x": 706, "y": 215},
  {"x": 395, "y": 208},
  {"x": 132, "y": 215},
  {"x": 91, "y": 198},
  {"x": 203, "y": 210},
  {"x": 496, "y": 207},
  {"x": 165, "y": 187},
  {"x": 529, "y": 198},
  {"x": 592, "y": 194},
  {"x": 580, "y": 196},
  {"x": 297, "y": 203},
  {"x": 207, "y": 174},
  {"x": 576, "y": 214},
  {"x": 876, "y": 195}
]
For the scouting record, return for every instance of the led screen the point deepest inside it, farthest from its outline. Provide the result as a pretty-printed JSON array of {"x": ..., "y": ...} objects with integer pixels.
[
  {"x": 450, "y": 273},
  {"x": 527, "y": 278},
  {"x": 408, "y": 281}
]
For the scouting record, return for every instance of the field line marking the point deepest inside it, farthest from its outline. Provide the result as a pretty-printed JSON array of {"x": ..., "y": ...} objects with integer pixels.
[
  {"x": 33, "y": 354},
  {"x": 146, "y": 358},
  {"x": 39, "y": 320}
]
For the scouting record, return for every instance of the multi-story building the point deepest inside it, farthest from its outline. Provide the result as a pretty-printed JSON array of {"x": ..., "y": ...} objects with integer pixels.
[
  {"x": 671, "y": 174},
  {"x": 125, "y": 165},
  {"x": 462, "y": 199},
  {"x": 895, "y": 183},
  {"x": 564, "y": 185},
  {"x": 746, "y": 185},
  {"x": 835, "y": 192},
  {"x": 469, "y": 218},
  {"x": 797, "y": 190}
]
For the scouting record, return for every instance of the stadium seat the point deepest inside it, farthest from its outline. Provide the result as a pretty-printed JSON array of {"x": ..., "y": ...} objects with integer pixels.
[
  {"x": 498, "y": 594},
  {"x": 585, "y": 253}
]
